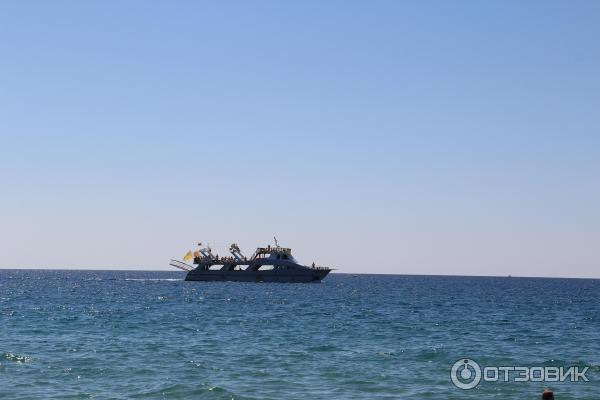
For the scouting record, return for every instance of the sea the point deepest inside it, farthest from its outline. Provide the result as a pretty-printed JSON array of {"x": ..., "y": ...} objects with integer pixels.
[{"x": 69, "y": 334}]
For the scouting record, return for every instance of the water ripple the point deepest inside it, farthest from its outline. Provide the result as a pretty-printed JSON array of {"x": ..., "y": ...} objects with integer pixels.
[{"x": 122, "y": 335}]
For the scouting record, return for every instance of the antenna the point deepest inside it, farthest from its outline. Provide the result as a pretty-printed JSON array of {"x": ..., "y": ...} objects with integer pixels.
[{"x": 276, "y": 242}]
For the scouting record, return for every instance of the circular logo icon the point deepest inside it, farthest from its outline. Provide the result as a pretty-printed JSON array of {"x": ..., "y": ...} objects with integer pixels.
[{"x": 465, "y": 374}]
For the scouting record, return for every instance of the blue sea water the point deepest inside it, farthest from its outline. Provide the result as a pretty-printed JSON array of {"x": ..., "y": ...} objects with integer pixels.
[{"x": 151, "y": 335}]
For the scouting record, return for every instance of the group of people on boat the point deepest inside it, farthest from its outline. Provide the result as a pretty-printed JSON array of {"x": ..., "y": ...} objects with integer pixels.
[{"x": 228, "y": 259}]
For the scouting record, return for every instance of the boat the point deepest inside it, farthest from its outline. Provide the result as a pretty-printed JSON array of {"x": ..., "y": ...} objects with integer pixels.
[{"x": 267, "y": 264}]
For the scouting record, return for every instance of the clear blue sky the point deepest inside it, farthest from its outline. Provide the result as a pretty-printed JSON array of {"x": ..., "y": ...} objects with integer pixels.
[{"x": 390, "y": 137}]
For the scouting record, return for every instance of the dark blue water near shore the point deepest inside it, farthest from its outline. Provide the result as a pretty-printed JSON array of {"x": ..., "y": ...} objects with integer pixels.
[{"x": 107, "y": 334}]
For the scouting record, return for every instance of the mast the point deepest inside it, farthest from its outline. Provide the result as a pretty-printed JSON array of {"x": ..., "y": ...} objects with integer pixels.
[
  {"x": 206, "y": 253},
  {"x": 234, "y": 249}
]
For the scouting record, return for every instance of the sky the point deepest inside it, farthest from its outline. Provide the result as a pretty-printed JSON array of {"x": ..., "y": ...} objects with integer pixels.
[{"x": 403, "y": 137}]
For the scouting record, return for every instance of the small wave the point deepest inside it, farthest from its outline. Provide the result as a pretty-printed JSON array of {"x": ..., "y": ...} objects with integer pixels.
[
  {"x": 154, "y": 279},
  {"x": 21, "y": 359},
  {"x": 321, "y": 348}
]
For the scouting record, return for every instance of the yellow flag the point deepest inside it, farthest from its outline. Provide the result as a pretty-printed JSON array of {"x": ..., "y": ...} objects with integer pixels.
[{"x": 188, "y": 256}]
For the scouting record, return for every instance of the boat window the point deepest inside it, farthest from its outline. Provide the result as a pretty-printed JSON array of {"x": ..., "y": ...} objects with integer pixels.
[
  {"x": 278, "y": 256},
  {"x": 285, "y": 257}
]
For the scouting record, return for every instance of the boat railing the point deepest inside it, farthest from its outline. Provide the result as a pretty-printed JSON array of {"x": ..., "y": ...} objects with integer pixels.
[
  {"x": 181, "y": 265},
  {"x": 263, "y": 251},
  {"x": 221, "y": 260}
]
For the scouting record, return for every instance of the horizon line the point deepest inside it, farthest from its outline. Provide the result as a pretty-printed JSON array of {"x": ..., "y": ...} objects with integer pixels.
[{"x": 336, "y": 273}]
